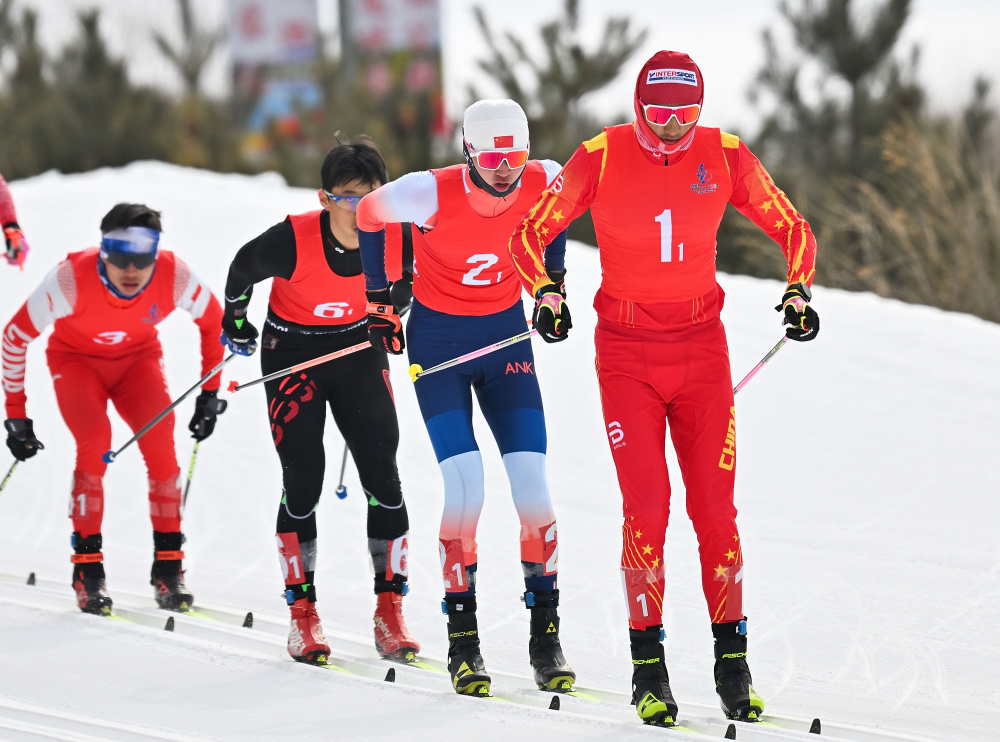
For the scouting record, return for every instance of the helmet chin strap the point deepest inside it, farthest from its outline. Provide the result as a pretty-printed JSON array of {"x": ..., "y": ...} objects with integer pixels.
[{"x": 478, "y": 181}]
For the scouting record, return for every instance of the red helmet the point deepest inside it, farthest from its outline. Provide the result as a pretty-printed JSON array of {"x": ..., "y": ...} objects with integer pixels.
[{"x": 667, "y": 79}]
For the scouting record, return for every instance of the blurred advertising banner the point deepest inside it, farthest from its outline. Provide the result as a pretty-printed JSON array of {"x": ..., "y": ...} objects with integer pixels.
[
  {"x": 274, "y": 45},
  {"x": 393, "y": 49}
]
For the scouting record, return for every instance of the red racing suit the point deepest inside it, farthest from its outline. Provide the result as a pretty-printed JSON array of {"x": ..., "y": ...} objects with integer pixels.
[
  {"x": 662, "y": 354},
  {"x": 106, "y": 348}
]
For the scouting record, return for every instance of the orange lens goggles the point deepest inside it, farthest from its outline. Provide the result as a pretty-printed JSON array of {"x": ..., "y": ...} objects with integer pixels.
[
  {"x": 661, "y": 115},
  {"x": 492, "y": 160}
]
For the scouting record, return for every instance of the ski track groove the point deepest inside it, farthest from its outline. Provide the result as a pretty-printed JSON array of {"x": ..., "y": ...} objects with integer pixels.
[{"x": 222, "y": 629}]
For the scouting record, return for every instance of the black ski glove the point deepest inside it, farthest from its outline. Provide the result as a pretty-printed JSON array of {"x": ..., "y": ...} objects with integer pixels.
[
  {"x": 238, "y": 335},
  {"x": 206, "y": 408},
  {"x": 401, "y": 293},
  {"x": 551, "y": 317},
  {"x": 21, "y": 438},
  {"x": 385, "y": 329},
  {"x": 802, "y": 320}
]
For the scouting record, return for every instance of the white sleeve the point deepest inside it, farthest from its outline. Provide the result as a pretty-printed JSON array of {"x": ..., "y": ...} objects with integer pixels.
[
  {"x": 190, "y": 294},
  {"x": 55, "y": 298},
  {"x": 552, "y": 169},
  {"x": 411, "y": 198}
]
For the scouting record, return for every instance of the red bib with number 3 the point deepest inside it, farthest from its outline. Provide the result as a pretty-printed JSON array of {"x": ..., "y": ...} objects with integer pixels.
[
  {"x": 463, "y": 265},
  {"x": 659, "y": 224},
  {"x": 315, "y": 295}
]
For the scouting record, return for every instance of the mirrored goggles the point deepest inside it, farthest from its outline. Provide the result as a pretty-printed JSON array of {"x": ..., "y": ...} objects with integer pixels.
[
  {"x": 492, "y": 160},
  {"x": 345, "y": 202},
  {"x": 661, "y": 115},
  {"x": 122, "y": 260},
  {"x": 130, "y": 246}
]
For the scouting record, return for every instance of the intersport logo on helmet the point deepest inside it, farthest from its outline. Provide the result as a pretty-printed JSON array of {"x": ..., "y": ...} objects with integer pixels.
[{"x": 684, "y": 77}]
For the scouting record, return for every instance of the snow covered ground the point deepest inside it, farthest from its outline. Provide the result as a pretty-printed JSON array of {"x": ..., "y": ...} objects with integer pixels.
[{"x": 868, "y": 510}]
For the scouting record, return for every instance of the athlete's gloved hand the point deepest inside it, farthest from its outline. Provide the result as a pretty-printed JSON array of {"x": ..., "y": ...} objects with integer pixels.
[
  {"x": 21, "y": 438},
  {"x": 206, "y": 408},
  {"x": 551, "y": 317},
  {"x": 802, "y": 320},
  {"x": 17, "y": 246},
  {"x": 239, "y": 335},
  {"x": 401, "y": 292},
  {"x": 385, "y": 329},
  {"x": 559, "y": 279}
]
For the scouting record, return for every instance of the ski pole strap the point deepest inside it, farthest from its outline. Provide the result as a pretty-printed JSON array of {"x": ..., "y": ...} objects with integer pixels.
[
  {"x": 9, "y": 473},
  {"x": 759, "y": 366},
  {"x": 416, "y": 371},
  {"x": 112, "y": 455},
  {"x": 87, "y": 558},
  {"x": 236, "y": 386}
]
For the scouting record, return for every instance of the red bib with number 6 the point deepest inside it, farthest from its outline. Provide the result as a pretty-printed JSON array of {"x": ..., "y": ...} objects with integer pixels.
[
  {"x": 315, "y": 295},
  {"x": 463, "y": 265}
]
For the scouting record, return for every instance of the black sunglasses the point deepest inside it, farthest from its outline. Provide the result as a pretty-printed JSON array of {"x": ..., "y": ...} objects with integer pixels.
[{"x": 122, "y": 260}]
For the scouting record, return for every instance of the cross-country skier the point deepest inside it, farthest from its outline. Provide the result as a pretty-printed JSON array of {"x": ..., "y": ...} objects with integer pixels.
[
  {"x": 16, "y": 245},
  {"x": 657, "y": 189},
  {"x": 317, "y": 306},
  {"x": 466, "y": 296},
  {"x": 106, "y": 302}
]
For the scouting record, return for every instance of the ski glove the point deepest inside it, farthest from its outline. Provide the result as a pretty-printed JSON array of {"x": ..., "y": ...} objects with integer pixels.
[
  {"x": 239, "y": 335},
  {"x": 17, "y": 246},
  {"x": 551, "y": 317},
  {"x": 802, "y": 320},
  {"x": 21, "y": 438},
  {"x": 206, "y": 408},
  {"x": 401, "y": 293},
  {"x": 385, "y": 329}
]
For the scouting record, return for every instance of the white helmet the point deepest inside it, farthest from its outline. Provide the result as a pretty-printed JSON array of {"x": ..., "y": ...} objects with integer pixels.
[{"x": 495, "y": 124}]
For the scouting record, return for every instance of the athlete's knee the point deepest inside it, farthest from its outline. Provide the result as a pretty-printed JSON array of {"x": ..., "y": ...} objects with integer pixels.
[{"x": 464, "y": 483}]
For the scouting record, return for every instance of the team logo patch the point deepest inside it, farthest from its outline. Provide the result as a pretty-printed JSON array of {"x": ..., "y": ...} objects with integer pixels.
[
  {"x": 684, "y": 77},
  {"x": 155, "y": 315},
  {"x": 704, "y": 184},
  {"x": 501, "y": 142}
]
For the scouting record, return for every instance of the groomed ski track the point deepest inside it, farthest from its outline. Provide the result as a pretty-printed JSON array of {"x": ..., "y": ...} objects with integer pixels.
[{"x": 217, "y": 636}]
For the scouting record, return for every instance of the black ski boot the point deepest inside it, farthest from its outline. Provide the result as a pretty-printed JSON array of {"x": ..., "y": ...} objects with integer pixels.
[
  {"x": 651, "y": 694},
  {"x": 465, "y": 663},
  {"x": 88, "y": 575},
  {"x": 732, "y": 674},
  {"x": 551, "y": 670},
  {"x": 167, "y": 575}
]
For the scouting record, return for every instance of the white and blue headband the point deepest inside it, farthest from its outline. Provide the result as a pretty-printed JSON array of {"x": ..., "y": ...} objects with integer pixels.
[{"x": 130, "y": 240}]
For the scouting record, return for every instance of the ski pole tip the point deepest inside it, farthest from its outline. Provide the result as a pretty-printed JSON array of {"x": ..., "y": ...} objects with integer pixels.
[
  {"x": 415, "y": 371},
  {"x": 232, "y": 386},
  {"x": 109, "y": 457},
  {"x": 341, "y": 492}
]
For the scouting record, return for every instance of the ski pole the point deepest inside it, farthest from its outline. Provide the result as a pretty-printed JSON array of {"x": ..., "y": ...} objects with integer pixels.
[
  {"x": 9, "y": 473},
  {"x": 235, "y": 386},
  {"x": 341, "y": 489},
  {"x": 110, "y": 456},
  {"x": 759, "y": 366},
  {"x": 194, "y": 456},
  {"x": 416, "y": 371}
]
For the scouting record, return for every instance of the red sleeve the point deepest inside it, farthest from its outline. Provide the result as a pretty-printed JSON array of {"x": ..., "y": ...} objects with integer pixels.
[
  {"x": 757, "y": 197},
  {"x": 16, "y": 335},
  {"x": 394, "y": 251},
  {"x": 210, "y": 327},
  {"x": 570, "y": 194},
  {"x": 7, "y": 213}
]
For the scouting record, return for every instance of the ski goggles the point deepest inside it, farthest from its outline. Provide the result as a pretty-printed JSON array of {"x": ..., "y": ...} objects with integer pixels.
[
  {"x": 345, "y": 202},
  {"x": 130, "y": 246},
  {"x": 492, "y": 159},
  {"x": 661, "y": 115}
]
